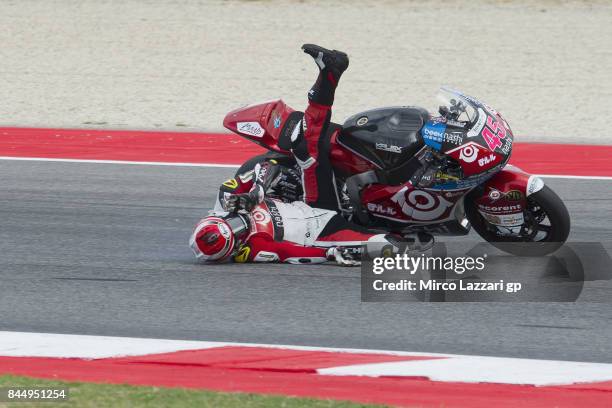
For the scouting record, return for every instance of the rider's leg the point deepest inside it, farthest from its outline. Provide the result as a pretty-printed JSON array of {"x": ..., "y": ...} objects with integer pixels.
[
  {"x": 340, "y": 232},
  {"x": 310, "y": 142},
  {"x": 331, "y": 65}
]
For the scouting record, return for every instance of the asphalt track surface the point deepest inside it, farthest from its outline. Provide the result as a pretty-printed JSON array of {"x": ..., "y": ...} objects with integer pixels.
[{"x": 102, "y": 249}]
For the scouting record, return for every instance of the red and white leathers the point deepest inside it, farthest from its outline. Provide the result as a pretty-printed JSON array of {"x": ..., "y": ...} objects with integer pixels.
[
  {"x": 295, "y": 233},
  {"x": 280, "y": 231},
  {"x": 271, "y": 230}
]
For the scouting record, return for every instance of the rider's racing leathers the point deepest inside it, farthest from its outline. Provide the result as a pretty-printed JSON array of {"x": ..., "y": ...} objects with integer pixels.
[
  {"x": 300, "y": 234},
  {"x": 310, "y": 140}
]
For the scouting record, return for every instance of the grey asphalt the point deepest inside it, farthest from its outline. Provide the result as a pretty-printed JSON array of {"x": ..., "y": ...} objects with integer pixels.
[{"x": 102, "y": 249}]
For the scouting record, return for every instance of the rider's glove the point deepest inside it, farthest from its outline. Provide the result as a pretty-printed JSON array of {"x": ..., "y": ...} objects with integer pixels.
[
  {"x": 288, "y": 185},
  {"x": 343, "y": 256},
  {"x": 241, "y": 202}
]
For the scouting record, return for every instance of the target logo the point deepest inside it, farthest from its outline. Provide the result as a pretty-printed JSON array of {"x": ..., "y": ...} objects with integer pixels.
[
  {"x": 420, "y": 205},
  {"x": 261, "y": 217},
  {"x": 474, "y": 158},
  {"x": 469, "y": 153},
  {"x": 494, "y": 194}
]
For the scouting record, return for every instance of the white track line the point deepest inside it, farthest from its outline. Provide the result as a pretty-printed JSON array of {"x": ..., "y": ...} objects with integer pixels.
[
  {"x": 234, "y": 166},
  {"x": 574, "y": 177},
  {"x": 142, "y": 163}
]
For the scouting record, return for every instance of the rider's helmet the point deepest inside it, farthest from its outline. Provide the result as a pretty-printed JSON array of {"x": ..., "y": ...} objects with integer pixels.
[{"x": 216, "y": 238}]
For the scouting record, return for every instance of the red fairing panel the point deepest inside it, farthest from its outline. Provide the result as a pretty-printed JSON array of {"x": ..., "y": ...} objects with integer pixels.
[
  {"x": 475, "y": 158},
  {"x": 505, "y": 195},
  {"x": 346, "y": 162},
  {"x": 408, "y": 204},
  {"x": 261, "y": 123}
]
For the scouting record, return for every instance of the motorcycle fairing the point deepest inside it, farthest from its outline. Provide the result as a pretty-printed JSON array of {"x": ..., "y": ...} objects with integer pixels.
[
  {"x": 504, "y": 197},
  {"x": 268, "y": 124},
  {"x": 475, "y": 159},
  {"x": 486, "y": 126},
  {"x": 500, "y": 195},
  {"x": 409, "y": 204},
  {"x": 386, "y": 137}
]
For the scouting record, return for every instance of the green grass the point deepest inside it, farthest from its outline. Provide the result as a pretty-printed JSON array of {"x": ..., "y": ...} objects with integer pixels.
[{"x": 108, "y": 395}]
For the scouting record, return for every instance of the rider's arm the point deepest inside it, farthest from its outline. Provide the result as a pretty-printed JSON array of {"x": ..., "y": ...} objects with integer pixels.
[
  {"x": 262, "y": 248},
  {"x": 265, "y": 174}
]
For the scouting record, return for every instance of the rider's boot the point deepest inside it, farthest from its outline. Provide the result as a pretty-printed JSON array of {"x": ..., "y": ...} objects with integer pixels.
[
  {"x": 332, "y": 64},
  {"x": 410, "y": 243},
  {"x": 419, "y": 242}
]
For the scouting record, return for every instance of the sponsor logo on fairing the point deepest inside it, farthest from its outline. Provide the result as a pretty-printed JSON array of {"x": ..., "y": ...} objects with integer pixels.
[
  {"x": 455, "y": 123},
  {"x": 504, "y": 220},
  {"x": 380, "y": 209},
  {"x": 474, "y": 158},
  {"x": 276, "y": 119},
  {"x": 486, "y": 160},
  {"x": 455, "y": 138},
  {"x": 420, "y": 205},
  {"x": 388, "y": 148},
  {"x": 433, "y": 134},
  {"x": 501, "y": 208},
  {"x": 250, "y": 128},
  {"x": 441, "y": 176},
  {"x": 362, "y": 121},
  {"x": 468, "y": 182},
  {"x": 507, "y": 147},
  {"x": 512, "y": 195},
  {"x": 468, "y": 153}
]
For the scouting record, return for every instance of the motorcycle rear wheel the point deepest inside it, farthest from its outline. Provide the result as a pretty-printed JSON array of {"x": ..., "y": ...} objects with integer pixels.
[{"x": 541, "y": 206}]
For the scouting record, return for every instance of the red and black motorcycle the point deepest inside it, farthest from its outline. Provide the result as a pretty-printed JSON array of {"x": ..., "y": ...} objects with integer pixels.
[{"x": 401, "y": 169}]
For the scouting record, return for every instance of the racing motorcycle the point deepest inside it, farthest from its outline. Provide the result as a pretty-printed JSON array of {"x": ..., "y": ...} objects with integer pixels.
[{"x": 402, "y": 169}]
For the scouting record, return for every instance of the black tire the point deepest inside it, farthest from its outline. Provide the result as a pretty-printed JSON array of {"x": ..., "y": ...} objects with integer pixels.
[
  {"x": 250, "y": 164},
  {"x": 558, "y": 231}
]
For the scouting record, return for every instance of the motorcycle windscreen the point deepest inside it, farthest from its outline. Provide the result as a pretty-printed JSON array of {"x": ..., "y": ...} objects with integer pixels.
[{"x": 475, "y": 134}]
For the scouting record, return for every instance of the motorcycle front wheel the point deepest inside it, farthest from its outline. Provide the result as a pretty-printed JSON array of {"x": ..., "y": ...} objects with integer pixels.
[{"x": 545, "y": 229}]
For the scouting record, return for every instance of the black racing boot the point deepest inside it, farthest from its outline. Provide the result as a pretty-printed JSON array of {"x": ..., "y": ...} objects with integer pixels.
[{"x": 332, "y": 64}]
